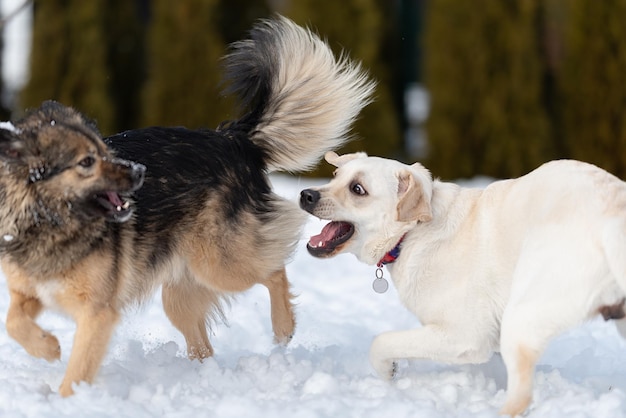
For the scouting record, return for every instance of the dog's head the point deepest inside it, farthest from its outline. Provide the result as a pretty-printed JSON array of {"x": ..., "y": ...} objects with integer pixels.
[
  {"x": 371, "y": 203},
  {"x": 58, "y": 156}
]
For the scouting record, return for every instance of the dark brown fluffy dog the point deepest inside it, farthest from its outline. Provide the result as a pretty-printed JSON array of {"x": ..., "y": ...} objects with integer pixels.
[
  {"x": 62, "y": 201},
  {"x": 205, "y": 225}
]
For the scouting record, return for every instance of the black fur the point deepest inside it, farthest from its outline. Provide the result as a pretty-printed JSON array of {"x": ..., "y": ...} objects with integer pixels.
[{"x": 184, "y": 168}]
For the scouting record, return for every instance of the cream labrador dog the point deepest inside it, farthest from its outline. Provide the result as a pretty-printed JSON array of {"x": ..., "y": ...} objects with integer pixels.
[{"x": 503, "y": 268}]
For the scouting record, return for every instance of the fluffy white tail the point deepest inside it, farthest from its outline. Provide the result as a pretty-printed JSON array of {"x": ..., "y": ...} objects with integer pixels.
[{"x": 302, "y": 100}]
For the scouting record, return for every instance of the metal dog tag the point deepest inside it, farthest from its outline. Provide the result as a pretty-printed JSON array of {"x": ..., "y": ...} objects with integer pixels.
[{"x": 380, "y": 284}]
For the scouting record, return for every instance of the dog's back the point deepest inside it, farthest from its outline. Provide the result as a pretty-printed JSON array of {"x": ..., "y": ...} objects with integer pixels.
[{"x": 209, "y": 190}]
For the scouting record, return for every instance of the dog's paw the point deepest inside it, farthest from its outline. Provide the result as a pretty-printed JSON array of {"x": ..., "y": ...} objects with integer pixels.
[
  {"x": 66, "y": 389},
  {"x": 514, "y": 407},
  {"x": 47, "y": 347},
  {"x": 284, "y": 327},
  {"x": 283, "y": 340},
  {"x": 384, "y": 366},
  {"x": 199, "y": 352},
  {"x": 386, "y": 369},
  {"x": 394, "y": 370}
]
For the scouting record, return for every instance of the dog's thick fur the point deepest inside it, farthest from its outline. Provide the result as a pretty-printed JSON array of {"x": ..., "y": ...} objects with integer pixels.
[
  {"x": 503, "y": 268},
  {"x": 205, "y": 225}
]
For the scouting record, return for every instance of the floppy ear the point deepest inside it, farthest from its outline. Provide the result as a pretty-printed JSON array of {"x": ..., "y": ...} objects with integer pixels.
[
  {"x": 11, "y": 146},
  {"x": 414, "y": 204},
  {"x": 339, "y": 160}
]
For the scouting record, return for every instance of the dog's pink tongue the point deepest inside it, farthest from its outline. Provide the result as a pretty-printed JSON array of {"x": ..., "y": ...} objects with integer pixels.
[
  {"x": 329, "y": 231},
  {"x": 114, "y": 198}
]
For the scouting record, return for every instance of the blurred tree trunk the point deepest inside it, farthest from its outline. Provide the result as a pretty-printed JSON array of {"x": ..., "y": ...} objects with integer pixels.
[
  {"x": 69, "y": 58},
  {"x": 126, "y": 23},
  {"x": 236, "y": 17}
]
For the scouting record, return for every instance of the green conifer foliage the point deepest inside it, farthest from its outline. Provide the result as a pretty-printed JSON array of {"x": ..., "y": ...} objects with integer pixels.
[
  {"x": 591, "y": 79},
  {"x": 183, "y": 66},
  {"x": 68, "y": 59},
  {"x": 484, "y": 70}
]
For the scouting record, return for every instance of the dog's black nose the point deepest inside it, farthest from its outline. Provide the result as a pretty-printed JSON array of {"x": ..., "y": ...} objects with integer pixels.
[{"x": 308, "y": 199}]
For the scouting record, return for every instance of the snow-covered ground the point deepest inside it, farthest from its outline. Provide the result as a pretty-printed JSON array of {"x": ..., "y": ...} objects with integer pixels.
[{"x": 324, "y": 372}]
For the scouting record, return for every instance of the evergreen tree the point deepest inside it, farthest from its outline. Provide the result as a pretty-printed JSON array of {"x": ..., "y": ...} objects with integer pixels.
[
  {"x": 591, "y": 80},
  {"x": 356, "y": 28},
  {"x": 184, "y": 70},
  {"x": 484, "y": 70},
  {"x": 68, "y": 58}
]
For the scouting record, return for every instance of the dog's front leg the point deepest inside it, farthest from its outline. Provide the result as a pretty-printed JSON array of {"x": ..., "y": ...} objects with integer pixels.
[
  {"x": 93, "y": 332},
  {"x": 21, "y": 326},
  {"x": 429, "y": 342}
]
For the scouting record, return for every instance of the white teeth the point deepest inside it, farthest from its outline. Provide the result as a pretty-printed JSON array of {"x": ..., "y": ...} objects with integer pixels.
[
  {"x": 126, "y": 205},
  {"x": 118, "y": 208}
]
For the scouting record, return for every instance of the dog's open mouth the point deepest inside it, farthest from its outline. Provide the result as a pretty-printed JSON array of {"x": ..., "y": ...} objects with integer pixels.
[
  {"x": 113, "y": 206},
  {"x": 332, "y": 236}
]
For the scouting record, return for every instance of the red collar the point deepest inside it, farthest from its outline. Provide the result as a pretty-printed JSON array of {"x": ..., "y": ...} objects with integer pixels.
[{"x": 392, "y": 255}]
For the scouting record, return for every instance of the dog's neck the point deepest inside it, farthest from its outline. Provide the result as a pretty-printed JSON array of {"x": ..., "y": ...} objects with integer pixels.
[{"x": 391, "y": 255}]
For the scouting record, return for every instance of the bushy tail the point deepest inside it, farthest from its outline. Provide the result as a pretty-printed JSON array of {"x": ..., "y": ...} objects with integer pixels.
[{"x": 302, "y": 100}]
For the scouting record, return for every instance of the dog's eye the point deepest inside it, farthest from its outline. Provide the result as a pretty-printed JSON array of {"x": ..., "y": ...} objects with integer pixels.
[
  {"x": 87, "y": 162},
  {"x": 358, "y": 189}
]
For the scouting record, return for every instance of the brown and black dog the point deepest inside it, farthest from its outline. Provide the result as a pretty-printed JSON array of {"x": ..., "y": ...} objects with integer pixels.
[{"x": 204, "y": 225}]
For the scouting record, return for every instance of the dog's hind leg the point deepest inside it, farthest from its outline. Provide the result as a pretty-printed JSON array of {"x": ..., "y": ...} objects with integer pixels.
[
  {"x": 187, "y": 304},
  {"x": 614, "y": 245},
  {"x": 538, "y": 308},
  {"x": 283, "y": 319},
  {"x": 521, "y": 346},
  {"x": 537, "y": 311},
  {"x": 520, "y": 360},
  {"x": 93, "y": 332},
  {"x": 22, "y": 327}
]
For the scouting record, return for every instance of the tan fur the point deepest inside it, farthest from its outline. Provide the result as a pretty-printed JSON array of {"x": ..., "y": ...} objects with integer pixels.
[
  {"x": 186, "y": 303},
  {"x": 78, "y": 293}
]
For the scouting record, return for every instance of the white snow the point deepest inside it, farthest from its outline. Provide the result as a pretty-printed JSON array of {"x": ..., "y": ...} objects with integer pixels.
[
  {"x": 17, "y": 43},
  {"x": 324, "y": 372},
  {"x": 8, "y": 126}
]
